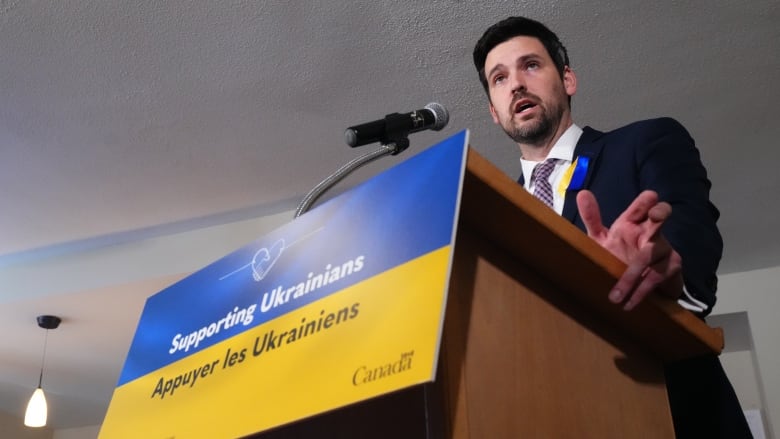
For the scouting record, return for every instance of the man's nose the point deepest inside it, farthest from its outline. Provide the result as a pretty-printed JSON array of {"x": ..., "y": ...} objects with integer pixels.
[{"x": 517, "y": 82}]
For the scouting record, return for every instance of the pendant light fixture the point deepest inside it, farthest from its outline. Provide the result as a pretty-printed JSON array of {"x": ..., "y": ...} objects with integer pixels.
[{"x": 37, "y": 411}]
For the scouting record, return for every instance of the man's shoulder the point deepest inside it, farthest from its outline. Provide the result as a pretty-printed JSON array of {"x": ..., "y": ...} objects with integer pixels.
[
  {"x": 647, "y": 127},
  {"x": 643, "y": 132}
]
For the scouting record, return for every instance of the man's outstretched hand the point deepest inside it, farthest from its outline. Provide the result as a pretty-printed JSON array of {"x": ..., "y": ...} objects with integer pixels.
[{"x": 635, "y": 239}]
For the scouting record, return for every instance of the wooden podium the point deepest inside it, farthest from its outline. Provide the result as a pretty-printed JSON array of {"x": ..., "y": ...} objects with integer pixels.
[{"x": 531, "y": 346}]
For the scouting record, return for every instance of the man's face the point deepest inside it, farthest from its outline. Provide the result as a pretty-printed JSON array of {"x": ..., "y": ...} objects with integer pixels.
[{"x": 528, "y": 97}]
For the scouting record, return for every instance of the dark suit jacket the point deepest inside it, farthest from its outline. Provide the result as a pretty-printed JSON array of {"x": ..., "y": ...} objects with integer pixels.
[{"x": 660, "y": 155}]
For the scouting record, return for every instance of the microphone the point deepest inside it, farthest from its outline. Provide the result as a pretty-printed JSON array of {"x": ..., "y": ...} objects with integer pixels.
[{"x": 397, "y": 126}]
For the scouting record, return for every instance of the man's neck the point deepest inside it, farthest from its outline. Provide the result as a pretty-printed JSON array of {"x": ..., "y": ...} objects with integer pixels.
[{"x": 537, "y": 152}]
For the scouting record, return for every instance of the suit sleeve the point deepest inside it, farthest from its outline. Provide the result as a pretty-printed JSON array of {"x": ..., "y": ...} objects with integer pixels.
[{"x": 669, "y": 163}]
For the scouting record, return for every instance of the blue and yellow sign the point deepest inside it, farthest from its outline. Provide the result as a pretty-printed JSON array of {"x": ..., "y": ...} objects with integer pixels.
[{"x": 340, "y": 305}]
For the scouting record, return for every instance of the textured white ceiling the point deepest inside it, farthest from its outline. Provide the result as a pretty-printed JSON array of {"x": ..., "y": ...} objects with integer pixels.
[{"x": 125, "y": 123}]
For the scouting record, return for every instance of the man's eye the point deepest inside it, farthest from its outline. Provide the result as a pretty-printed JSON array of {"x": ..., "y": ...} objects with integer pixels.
[
  {"x": 498, "y": 79},
  {"x": 532, "y": 65}
]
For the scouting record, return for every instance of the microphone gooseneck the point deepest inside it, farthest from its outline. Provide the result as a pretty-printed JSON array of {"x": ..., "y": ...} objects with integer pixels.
[{"x": 308, "y": 201}]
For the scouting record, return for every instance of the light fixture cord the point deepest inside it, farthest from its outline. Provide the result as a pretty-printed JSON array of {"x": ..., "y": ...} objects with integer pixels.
[{"x": 43, "y": 358}]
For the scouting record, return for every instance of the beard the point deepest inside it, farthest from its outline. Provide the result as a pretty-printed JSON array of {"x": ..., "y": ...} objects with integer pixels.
[{"x": 535, "y": 131}]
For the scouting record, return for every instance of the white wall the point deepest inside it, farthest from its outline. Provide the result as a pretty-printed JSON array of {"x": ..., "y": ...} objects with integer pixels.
[
  {"x": 12, "y": 427},
  {"x": 756, "y": 293},
  {"x": 90, "y": 432}
]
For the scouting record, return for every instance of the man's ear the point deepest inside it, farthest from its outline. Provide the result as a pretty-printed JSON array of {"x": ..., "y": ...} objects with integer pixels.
[
  {"x": 569, "y": 81},
  {"x": 493, "y": 114}
]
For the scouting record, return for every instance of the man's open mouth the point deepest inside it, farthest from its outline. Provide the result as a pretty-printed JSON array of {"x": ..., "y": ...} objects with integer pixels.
[{"x": 523, "y": 105}]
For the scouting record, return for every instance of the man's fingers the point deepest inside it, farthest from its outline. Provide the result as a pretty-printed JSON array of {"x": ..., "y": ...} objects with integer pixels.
[
  {"x": 589, "y": 212},
  {"x": 672, "y": 283},
  {"x": 634, "y": 286},
  {"x": 664, "y": 277},
  {"x": 635, "y": 238},
  {"x": 655, "y": 267},
  {"x": 638, "y": 210},
  {"x": 660, "y": 212},
  {"x": 626, "y": 285},
  {"x": 647, "y": 285}
]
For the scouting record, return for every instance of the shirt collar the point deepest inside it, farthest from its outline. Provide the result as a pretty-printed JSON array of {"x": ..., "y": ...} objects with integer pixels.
[{"x": 563, "y": 149}]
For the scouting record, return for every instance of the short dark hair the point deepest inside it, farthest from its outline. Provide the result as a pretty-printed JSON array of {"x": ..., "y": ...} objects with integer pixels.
[{"x": 514, "y": 27}]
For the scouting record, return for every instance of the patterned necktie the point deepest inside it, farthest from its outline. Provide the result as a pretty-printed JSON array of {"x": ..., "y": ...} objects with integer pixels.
[{"x": 540, "y": 177}]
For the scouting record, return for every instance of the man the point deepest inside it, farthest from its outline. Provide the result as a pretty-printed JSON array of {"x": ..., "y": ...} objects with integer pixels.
[{"x": 644, "y": 181}]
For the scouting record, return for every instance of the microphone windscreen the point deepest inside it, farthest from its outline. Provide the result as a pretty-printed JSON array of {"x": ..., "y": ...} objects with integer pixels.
[{"x": 440, "y": 113}]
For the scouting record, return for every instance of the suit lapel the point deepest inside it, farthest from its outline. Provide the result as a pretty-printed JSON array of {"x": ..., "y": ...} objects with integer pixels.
[{"x": 589, "y": 145}]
